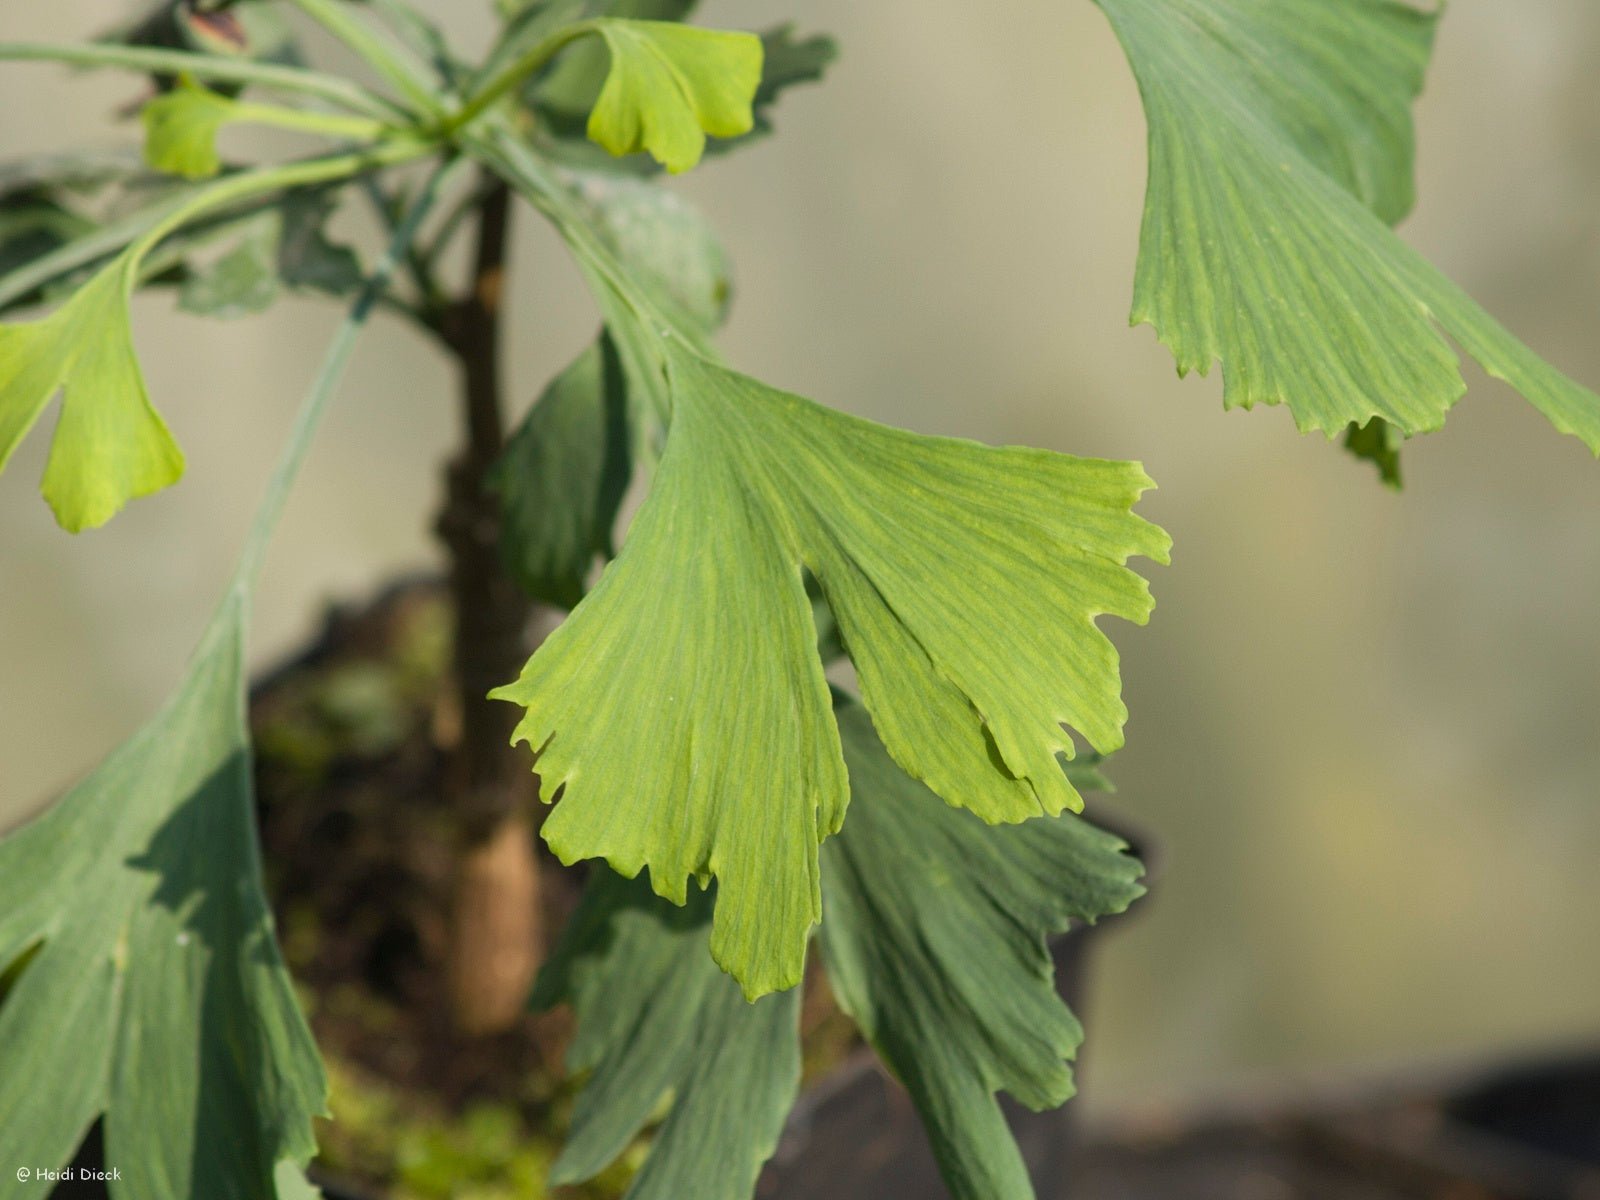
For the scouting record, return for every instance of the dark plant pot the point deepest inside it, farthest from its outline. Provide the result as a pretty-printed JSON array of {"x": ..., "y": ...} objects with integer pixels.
[{"x": 1531, "y": 1132}]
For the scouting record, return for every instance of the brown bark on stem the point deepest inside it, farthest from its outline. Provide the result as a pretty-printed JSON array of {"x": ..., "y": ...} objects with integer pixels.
[{"x": 496, "y": 942}]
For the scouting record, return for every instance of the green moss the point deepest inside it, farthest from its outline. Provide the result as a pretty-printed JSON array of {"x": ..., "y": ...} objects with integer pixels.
[{"x": 383, "y": 1137}]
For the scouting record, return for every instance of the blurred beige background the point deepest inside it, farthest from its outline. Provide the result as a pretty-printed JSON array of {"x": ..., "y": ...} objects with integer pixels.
[{"x": 1364, "y": 724}]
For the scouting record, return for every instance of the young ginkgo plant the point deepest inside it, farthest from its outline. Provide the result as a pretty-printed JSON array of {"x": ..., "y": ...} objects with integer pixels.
[{"x": 922, "y": 837}]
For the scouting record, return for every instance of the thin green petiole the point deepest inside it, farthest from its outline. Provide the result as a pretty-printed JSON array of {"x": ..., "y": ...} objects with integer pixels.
[
  {"x": 134, "y": 238},
  {"x": 150, "y": 225},
  {"x": 356, "y": 129},
  {"x": 332, "y": 371},
  {"x": 215, "y": 68},
  {"x": 411, "y": 80},
  {"x": 421, "y": 36},
  {"x": 248, "y": 184},
  {"x": 510, "y": 77}
]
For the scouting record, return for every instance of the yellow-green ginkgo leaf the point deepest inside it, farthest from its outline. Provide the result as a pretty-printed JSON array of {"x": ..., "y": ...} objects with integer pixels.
[
  {"x": 1280, "y": 149},
  {"x": 681, "y": 716},
  {"x": 670, "y": 85},
  {"x": 181, "y": 127},
  {"x": 110, "y": 444},
  {"x": 180, "y": 130}
]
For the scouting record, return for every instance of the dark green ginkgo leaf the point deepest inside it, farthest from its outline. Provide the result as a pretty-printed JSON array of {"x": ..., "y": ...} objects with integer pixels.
[
  {"x": 285, "y": 246},
  {"x": 933, "y": 933},
  {"x": 934, "y": 938},
  {"x": 965, "y": 580},
  {"x": 657, "y": 1020},
  {"x": 563, "y": 476},
  {"x": 1280, "y": 148},
  {"x": 567, "y": 466},
  {"x": 1378, "y": 442},
  {"x": 153, "y": 995}
]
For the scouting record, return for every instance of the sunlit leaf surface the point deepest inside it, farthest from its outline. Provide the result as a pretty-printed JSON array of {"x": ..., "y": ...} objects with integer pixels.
[
  {"x": 110, "y": 444},
  {"x": 1280, "y": 148},
  {"x": 681, "y": 717}
]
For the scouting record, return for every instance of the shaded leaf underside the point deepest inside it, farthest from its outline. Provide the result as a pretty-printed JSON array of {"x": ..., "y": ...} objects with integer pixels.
[
  {"x": 562, "y": 478},
  {"x": 657, "y": 1019},
  {"x": 934, "y": 935},
  {"x": 156, "y": 996},
  {"x": 935, "y": 944}
]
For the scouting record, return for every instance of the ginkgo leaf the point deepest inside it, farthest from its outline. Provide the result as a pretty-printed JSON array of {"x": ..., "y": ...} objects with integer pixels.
[
  {"x": 1280, "y": 145},
  {"x": 668, "y": 243},
  {"x": 180, "y": 130},
  {"x": 240, "y": 282},
  {"x": 285, "y": 246},
  {"x": 562, "y": 478},
  {"x": 658, "y": 1020},
  {"x": 670, "y": 85},
  {"x": 1378, "y": 442},
  {"x": 140, "y": 983},
  {"x": 110, "y": 444},
  {"x": 154, "y": 995},
  {"x": 569, "y": 91},
  {"x": 933, "y": 933},
  {"x": 965, "y": 580},
  {"x": 787, "y": 61},
  {"x": 566, "y": 468},
  {"x": 573, "y": 82}
]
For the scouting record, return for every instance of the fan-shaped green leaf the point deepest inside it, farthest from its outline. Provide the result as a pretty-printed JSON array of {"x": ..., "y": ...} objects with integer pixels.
[
  {"x": 1280, "y": 144},
  {"x": 933, "y": 933},
  {"x": 657, "y": 1019},
  {"x": 155, "y": 996},
  {"x": 573, "y": 83},
  {"x": 563, "y": 476},
  {"x": 287, "y": 245},
  {"x": 1378, "y": 442},
  {"x": 180, "y": 130},
  {"x": 670, "y": 85},
  {"x": 139, "y": 978},
  {"x": 965, "y": 580},
  {"x": 569, "y": 91},
  {"x": 110, "y": 445},
  {"x": 668, "y": 244},
  {"x": 565, "y": 470}
]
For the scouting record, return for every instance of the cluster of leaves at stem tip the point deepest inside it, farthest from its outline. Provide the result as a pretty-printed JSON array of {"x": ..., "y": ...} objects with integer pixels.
[{"x": 922, "y": 837}]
